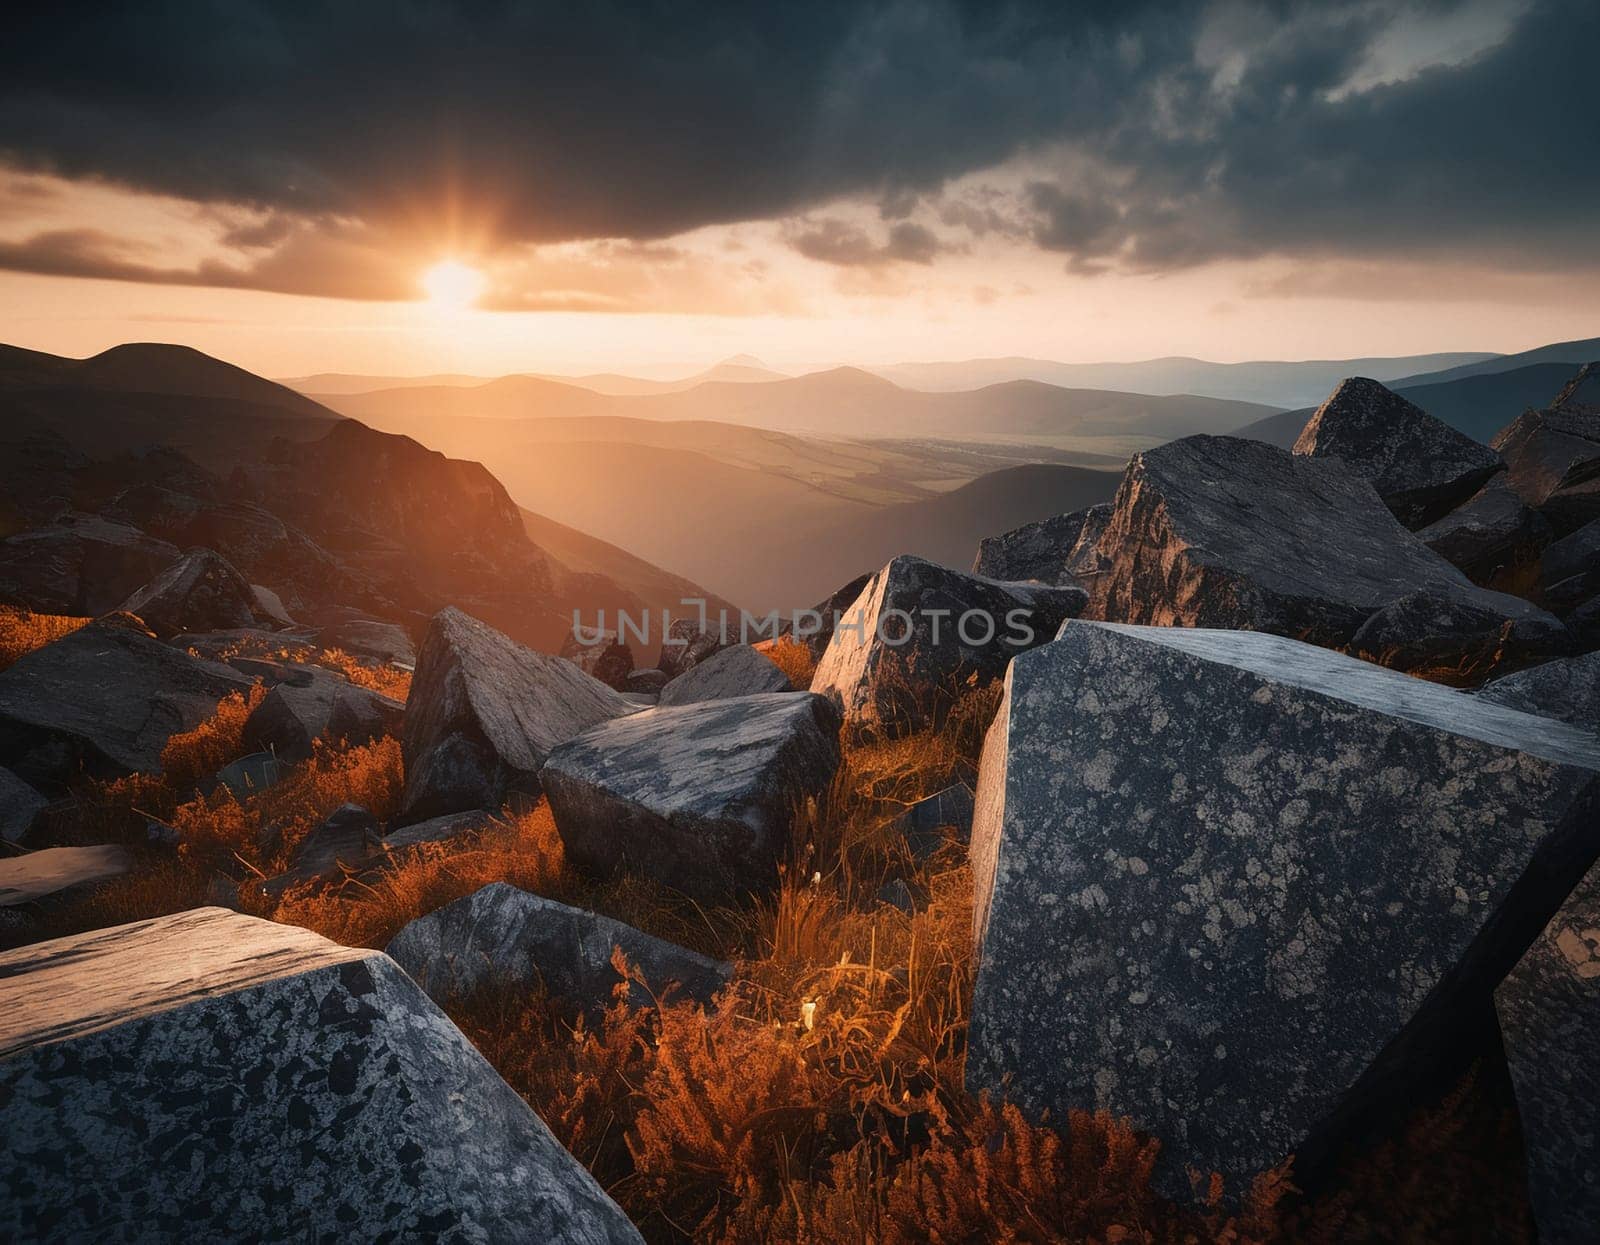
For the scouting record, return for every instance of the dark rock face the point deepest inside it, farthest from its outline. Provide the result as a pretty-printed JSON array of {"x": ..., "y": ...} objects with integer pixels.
[
  {"x": 81, "y": 565},
  {"x": 1549, "y": 1009},
  {"x": 105, "y": 698},
  {"x": 1425, "y": 632},
  {"x": 919, "y": 634},
  {"x": 1553, "y": 456},
  {"x": 924, "y": 822},
  {"x": 506, "y": 936},
  {"x": 700, "y": 797},
  {"x": 485, "y": 712},
  {"x": 341, "y": 844},
  {"x": 1232, "y": 533},
  {"x": 20, "y": 806},
  {"x": 292, "y": 715},
  {"x": 199, "y": 592},
  {"x": 1569, "y": 572},
  {"x": 314, "y": 1091},
  {"x": 737, "y": 670},
  {"x": 1492, "y": 532},
  {"x": 686, "y": 645},
  {"x": 1244, "y": 890},
  {"x": 1568, "y": 690},
  {"x": 606, "y": 658},
  {"x": 815, "y": 626},
  {"x": 1420, "y": 466},
  {"x": 1041, "y": 551},
  {"x": 646, "y": 682}
]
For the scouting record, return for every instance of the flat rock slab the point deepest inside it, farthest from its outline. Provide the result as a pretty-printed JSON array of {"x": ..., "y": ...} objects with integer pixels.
[
  {"x": 207, "y": 1073},
  {"x": 371, "y": 637},
  {"x": 200, "y": 592},
  {"x": 737, "y": 670},
  {"x": 1492, "y": 532},
  {"x": 1549, "y": 1009},
  {"x": 37, "y": 875},
  {"x": 1244, "y": 890},
  {"x": 502, "y": 936},
  {"x": 484, "y": 713},
  {"x": 702, "y": 798},
  {"x": 1567, "y": 689},
  {"x": 1419, "y": 465},
  {"x": 82, "y": 564},
  {"x": 107, "y": 697}
]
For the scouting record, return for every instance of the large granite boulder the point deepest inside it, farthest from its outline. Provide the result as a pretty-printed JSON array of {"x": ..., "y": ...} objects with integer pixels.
[
  {"x": 1247, "y": 891},
  {"x": 1568, "y": 689},
  {"x": 484, "y": 713},
  {"x": 1549, "y": 1010},
  {"x": 80, "y": 564},
  {"x": 1419, "y": 465},
  {"x": 1553, "y": 455},
  {"x": 210, "y": 1076},
  {"x": 1048, "y": 551},
  {"x": 686, "y": 644},
  {"x": 702, "y": 798},
  {"x": 737, "y": 670},
  {"x": 604, "y": 657},
  {"x": 1490, "y": 534},
  {"x": 1234, "y": 533},
  {"x": 104, "y": 700},
  {"x": 199, "y": 592},
  {"x": 325, "y": 705},
  {"x": 20, "y": 806},
  {"x": 920, "y": 634},
  {"x": 502, "y": 936},
  {"x": 1569, "y": 571}
]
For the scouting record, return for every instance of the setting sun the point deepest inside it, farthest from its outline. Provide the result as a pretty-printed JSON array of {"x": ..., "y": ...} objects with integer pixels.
[{"x": 452, "y": 284}]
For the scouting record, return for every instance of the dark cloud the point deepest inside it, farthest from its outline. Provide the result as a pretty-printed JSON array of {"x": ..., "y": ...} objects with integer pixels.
[{"x": 834, "y": 241}]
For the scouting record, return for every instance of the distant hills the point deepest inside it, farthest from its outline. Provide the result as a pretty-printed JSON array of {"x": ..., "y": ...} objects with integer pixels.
[{"x": 741, "y": 369}]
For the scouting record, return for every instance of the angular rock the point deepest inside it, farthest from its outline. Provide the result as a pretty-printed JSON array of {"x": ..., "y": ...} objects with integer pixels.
[
  {"x": 684, "y": 645},
  {"x": 104, "y": 699},
  {"x": 920, "y": 634},
  {"x": 1491, "y": 533},
  {"x": 500, "y": 935},
  {"x": 269, "y": 607},
  {"x": 250, "y": 774},
  {"x": 1549, "y": 1010},
  {"x": 339, "y": 845},
  {"x": 737, "y": 670},
  {"x": 485, "y": 712},
  {"x": 327, "y": 706},
  {"x": 646, "y": 682},
  {"x": 701, "y": 798},
  {"x": 20, "y": 806},
  {"x": 1233, "y": 533},
  {"x": 1569, "y": 571},
  {"x": 1567, "y": 690},
  {"x": 606, "y": 658},
  {"x": 1420, "y": 466},
  {"x": 368, "y": 637},
  {"x": 814, "y": 627},
  {"x": 299, "y": 1090},
  {"x": 80, "y": 564},
  {"x": 1456, "y": 639},
  {"x": 1553, "y": 456},
  {"x": 1041, "y": 551},
  {"x": 923, "y": 823},
  {"x": 1086, "y": 561},
  {"x": 437, "y": 830},
  {"x": 199, "y": 592},
  {"x": 34, "y": 875},
  {"x": 1244, "y": 890}
]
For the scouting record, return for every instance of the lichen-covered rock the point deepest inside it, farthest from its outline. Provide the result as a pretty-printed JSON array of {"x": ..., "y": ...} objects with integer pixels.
[
  {"x": 1569, "y": 571},
  {"x": 207, "y": 1075},
  {"x": 1460, "y": 638},
  {"x": 1420, "y": 466},
  {"x": 737, "y": 670},
  {"x": 605, "y": 657},
  {"x": 1241, "y": 889},
  {"x": 1043, "y": 551},
  {"x": 484, "y": 713},
  {"x": 1549, "y": 1009},
  {"x": 1492, "y": 532},
  {"x": 1553, "y": 456},
  {"x": 80, "y": 564},
  {"x": 701, "y": 798},
  {"x": 1233, "y": 533},
  {"x": 920, "y": 635},
  {"x": 500, "y": 935},
  {"x": 20, "y": 806},
  {"x": 104, "y": 699},
  {"x": 924, "y": 822},
  {"x": 1567, "y": 689},
  {"x": 685, "y": 644},
  {"x": 199, "y": 592},
  {"x": 324, "y": 706}
]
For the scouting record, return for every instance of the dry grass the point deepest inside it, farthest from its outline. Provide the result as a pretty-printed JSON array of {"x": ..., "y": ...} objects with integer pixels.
[
  {"x": 373, "y": 675},
  {"x": 23, "y": 631},
  {"x": 793, "y": 657}
]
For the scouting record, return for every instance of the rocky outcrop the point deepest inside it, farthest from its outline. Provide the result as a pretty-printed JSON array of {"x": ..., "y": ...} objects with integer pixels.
[
  {"x": 20, "y": 806},
  {"x": 701, "y": 798},
  {"x": 1549, "y": 1010},
  {"x": 685, "y": 645},
  {"x": 1243, "y": 890},
  {"x": 318, "y": 705},
  {"x": 605, "y": 658},
  {"x": 1233, "y": 533},
  {"x": 80, "y": 564},
  {"x": 484, "y": 713},
  {"x": 919, "y": 635},
  {"x": 199, "y": 592},
  {"x": 924, "y": 823},
  {"x": 1492, "y": 533},
  {"x": 103, "y": 700},
  {"x": 1456, "y": 640},
  {"x": 503, "y": 936},
  {"x": 1553, "y": 456},
  {"x": 298, "y": 1089},
  {"x": 737, "y": 670},
  {"x": 1420, "y": 466},
  {"x": 1569, "y": 571},
  {"x": 1044, "y": 551},
  {"x": 1568, "y": 690}
]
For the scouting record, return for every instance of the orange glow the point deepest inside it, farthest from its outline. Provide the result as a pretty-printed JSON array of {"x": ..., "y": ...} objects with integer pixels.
[{"x": 452, "y": 285}]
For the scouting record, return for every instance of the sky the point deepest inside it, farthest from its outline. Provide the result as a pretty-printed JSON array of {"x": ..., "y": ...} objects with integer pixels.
[{"x": 492, "y": 187}]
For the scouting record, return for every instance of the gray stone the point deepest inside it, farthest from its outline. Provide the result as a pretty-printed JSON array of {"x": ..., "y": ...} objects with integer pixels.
[
  {"x": 737, "y": 670},
  {"x": 208, "y": 1075},
  {"x": 1553, "y": 456},
  {"x": 1493, "y": 532},
  {"x": 34, "y": 875},
  {"x": 1042, "y": 551},
  {"x": 646, "y": 682},
  {"x": 1243, "y": 890},
  {"x": 199, "y": 592},
  {"x": 701, "y": 798},
  {"x": 80, "y": 564},
  {"x": 369, "y": 637},
  {"x": 924, "y": 823},
  {"x": 269, "y": 606},
  {"x": 1569, "y": 571},
  {"x": 1233, "y": 533},
  {"x": 605, "y": 658},
  {"x": 814, "y": 627},
  {"x": 685, "y": 644},
  {"x": 105, "y": 698},
  {"x": 250, "y": 774},
  {"x": 325, "y": 706},
  {"x": 1420, "y": 466},
  {"x": 1456, "y": 639},
  {"x": 20, "y": 806},
  {"x": 1549, "y": 1010},
  {"x": 1568, "y": 690},
  {"x": 484, "y": 713},
  {"x": 502, "y": 936},
  {"x": 437, "y": 830},
  {"x": 920, "y": 635},
  {"x": 339, "y": 846}
]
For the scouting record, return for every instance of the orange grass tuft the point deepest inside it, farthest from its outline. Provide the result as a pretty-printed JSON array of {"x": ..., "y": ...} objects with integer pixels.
[
  {"x": 22, "y": 631},
  {"x": 793, "y": 657}
]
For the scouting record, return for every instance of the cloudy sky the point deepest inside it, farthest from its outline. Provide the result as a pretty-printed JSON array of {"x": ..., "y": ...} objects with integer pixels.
[{"x": 410, "y": 187}]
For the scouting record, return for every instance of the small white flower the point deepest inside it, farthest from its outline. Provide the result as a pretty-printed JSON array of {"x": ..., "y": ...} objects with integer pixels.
[
  {"x": 816, "y": 878},
  {"x": 808, "y": 1015}
]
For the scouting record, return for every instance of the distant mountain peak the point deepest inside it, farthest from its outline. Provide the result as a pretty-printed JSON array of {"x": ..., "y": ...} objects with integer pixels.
[{"x": 743, "y": 360}]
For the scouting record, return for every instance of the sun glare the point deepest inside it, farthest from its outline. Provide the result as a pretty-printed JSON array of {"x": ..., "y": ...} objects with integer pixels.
[{"x": 452, "y": 284}]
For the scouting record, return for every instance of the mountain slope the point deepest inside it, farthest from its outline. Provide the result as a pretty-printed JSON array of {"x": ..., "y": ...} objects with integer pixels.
[{"x": 1572, "y": 353}]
